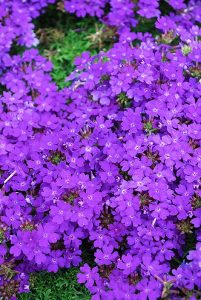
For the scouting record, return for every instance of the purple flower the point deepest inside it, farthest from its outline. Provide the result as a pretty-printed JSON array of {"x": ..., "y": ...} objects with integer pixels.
[
  {"x": 47, "y": 234},
  {"x": 91, "y": 197},
  {"x": 178, "y": 4},
  {"x": 151, "y": 266},
  {"x": 108, "y": 172},
  {"x": 165, "y": 23},
  {"x": 149, "y": 289},
  {"x": 82, "y": 216},
  {"x": 60, "y": 212},
  {"x": 131, "y": 121},
  {"x": 197, "y": 220},
  {"x": 88, "y": 276},
  {"x": 192, "y": 173},
  {"x": 55, "y": 261},
  {"x": 128, "y": 263},
  {"x": 105, "y": 256},
  {"x": 182, "y": 206},
  {"x": 17, "y": 244}
]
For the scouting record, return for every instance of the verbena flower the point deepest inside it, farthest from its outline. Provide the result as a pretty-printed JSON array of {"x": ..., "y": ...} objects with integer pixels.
[{"x": 113, "y": 160}]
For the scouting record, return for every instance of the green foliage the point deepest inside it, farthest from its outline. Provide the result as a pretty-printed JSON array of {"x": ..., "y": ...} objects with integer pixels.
[
  {"x": 64, "y": 48},
  {"x": 146, "y": 25},
  {"x": 62, "y": 53},
  {"x": 123, "y": 100},
  {"x": 88, "y": 253},
  {"x": 63, "y": 37},
  {"x": 165, "y": 8},
  {"x": 60, "y": 286},
  {"x": 149, "y": 129},
  {"x": 190, "y": 242}
]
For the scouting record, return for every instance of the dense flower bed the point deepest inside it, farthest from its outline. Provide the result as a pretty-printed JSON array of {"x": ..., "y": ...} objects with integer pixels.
[{"x": 113, "y": 161}]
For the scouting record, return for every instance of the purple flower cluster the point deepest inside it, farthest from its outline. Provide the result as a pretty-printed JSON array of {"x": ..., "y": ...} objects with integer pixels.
[
  {"x": 84, "y": 7},
  {"x": 125, "y": 13},
  {"x": 16, "y": 24},
  {"x": 146, "y": 157},
  {"x": 121, "y": 12},
  {"x": 114, "y": 160}
]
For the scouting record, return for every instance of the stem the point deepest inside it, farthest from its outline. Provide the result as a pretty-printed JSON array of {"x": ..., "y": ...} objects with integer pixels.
[{"x": 9, "y": 177}]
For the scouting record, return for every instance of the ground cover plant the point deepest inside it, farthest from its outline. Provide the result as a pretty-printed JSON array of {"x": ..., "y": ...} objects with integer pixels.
[{"x": 100, "y": 158}]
